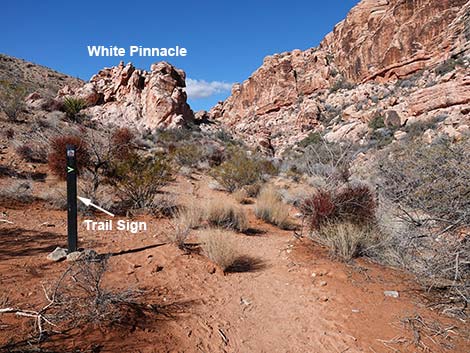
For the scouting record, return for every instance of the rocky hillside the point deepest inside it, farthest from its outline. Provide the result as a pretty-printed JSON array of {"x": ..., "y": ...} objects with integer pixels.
[
  {"x": 33, "y": 78},
  {"x": 389, "y": 63},
  {"x": 126, "y": 96}
]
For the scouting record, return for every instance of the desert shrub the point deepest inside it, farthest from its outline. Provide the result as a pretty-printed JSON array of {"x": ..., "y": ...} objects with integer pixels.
[
  {"x": 224, "y": 136},
  {"x": 270, "y": 208},
  {"x": 439, "y": 262},
  {"x": 346, "y": 240},
  {"x": 220, "y": 247},
  {"x": 122, "y": 140},
  {"x": 55, "y": 197},
  {"x": 172, "y": 136},
  {"x": 79, "y": 300},
  {"x": 429, "y": 187},
  {"x": 188, "y": 155},
  {"x": 355, "y": 203},
  {"x": 430, "y": 183},
  {"x": 73, "y": 106},
  {"x": 221, "y": 213},
  {"x": 240, "y": 169},
  {"x": 32, "y": 152},
  {"x": 446, "y": 66},
  {"x": 86, "y": 188},
  {"x": 165, "y": 205},
  {"x": 318, "y": 208},
  {"x": 252, "y": 190},
  {"x": 418, "y": 127},
  {"x": 18, "y": 190},
  {"x": 241, "y": 196},
  {"x": 329, "y": 161},
  {"x": 350, "y": 203},
  {"x": 377, "y": 122},
  {"x": 12, "y": 99},
  {"x": 312, "y": 139},
  {"x": 138, "y": 179},
  {"x": 57, "y": 159}
]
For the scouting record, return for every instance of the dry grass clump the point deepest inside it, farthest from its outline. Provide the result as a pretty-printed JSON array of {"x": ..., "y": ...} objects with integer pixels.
[
  {"x": 347, "y": 240},
  {"x": 241, "y": 196},
  {"x": 184, "y": 220},
  {"x": 270, "y": 208},
  {"x": 55, "y": 197},
  {"x": 220, "y": 247},
  {"x": 221, "y": 213}
]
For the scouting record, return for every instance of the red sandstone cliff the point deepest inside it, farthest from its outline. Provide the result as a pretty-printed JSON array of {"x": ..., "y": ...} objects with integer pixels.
[{"x": 380, "y": 41}]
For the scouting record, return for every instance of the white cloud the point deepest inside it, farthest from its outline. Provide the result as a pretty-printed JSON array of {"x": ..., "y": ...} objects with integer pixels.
[{"x": 202, "y": 89}]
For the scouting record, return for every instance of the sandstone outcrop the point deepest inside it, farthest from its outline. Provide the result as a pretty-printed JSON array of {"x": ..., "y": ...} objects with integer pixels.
[
  {"x": 126, "y": 96},
  {"x": 380, "y": 60}
]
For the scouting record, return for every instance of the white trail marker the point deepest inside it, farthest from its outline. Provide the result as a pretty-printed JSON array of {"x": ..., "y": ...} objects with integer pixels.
[{"x": 88, "y": 203}]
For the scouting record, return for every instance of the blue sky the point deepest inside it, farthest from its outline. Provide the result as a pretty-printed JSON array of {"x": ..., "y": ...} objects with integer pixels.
[{"x": 226, "y": 40}]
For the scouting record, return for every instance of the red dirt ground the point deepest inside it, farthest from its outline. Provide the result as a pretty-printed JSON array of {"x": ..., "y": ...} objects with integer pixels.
[{"x": 292, "y": 297}]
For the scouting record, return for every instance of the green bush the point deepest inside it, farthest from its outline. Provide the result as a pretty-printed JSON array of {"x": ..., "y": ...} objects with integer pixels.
[
  {"x": 377, "y": 122},
  {"x": 312, "y": 139},
  {"x": 240, "y": 169},
  {"x": 12, "y": 99},
  {"x": 138, "y": 179},
  {"x": 73, "y": 106},
  {"x": 188, "y": 155}
]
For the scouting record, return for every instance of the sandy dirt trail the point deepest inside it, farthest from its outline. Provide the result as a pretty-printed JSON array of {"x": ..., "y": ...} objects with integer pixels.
[{"x": 289, "y": 296}]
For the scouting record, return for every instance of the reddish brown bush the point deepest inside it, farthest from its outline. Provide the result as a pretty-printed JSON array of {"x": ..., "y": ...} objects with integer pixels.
[
  {"x": 122, "y": 140},
  {"x": 57, "y": 159},
  {"x": 318, "y": 209},
  {"x": 355, "y": 204},
  {"x": 351, "y": 203}
]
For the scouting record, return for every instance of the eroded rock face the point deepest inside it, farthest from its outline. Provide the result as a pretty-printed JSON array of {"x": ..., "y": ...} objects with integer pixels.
[
  {"x": 383, "y": 39},
  {"x": 126, "y": 96},
  {"x": 355, "y": 72}
]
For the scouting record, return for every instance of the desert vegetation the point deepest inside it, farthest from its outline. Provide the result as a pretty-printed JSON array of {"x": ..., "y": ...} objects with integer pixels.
[{"x": 270, "y": 208}]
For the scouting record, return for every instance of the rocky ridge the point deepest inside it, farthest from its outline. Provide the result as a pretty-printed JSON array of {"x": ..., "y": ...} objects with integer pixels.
[
  {"x": 126, "y": 96},
  {"x": 407, "y": 59}
]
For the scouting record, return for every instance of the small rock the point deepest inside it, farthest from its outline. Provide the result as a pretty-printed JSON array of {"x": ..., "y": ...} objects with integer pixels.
[
  {"x": 57, "y": 255},
  {"x": 74, "y": 256},
  {"x": 391, "y": 293},
  {"x": 243, "y": 301},
  {"x": 356, "y": 311},
  {"x": 314, "y": 274},
  {"x": 47, "y": 224},
  {"x": 323, "y": 283}
]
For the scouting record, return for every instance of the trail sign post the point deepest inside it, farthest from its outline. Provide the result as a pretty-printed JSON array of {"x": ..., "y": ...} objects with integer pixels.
[{"x": 72, "y": 198}]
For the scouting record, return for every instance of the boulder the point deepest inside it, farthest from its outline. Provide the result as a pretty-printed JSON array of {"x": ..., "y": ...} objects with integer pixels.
[{"x": 392, "y": 119}]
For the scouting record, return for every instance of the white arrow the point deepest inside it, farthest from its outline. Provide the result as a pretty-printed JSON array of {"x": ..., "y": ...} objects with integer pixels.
[{"x": 88, "y": 202}]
